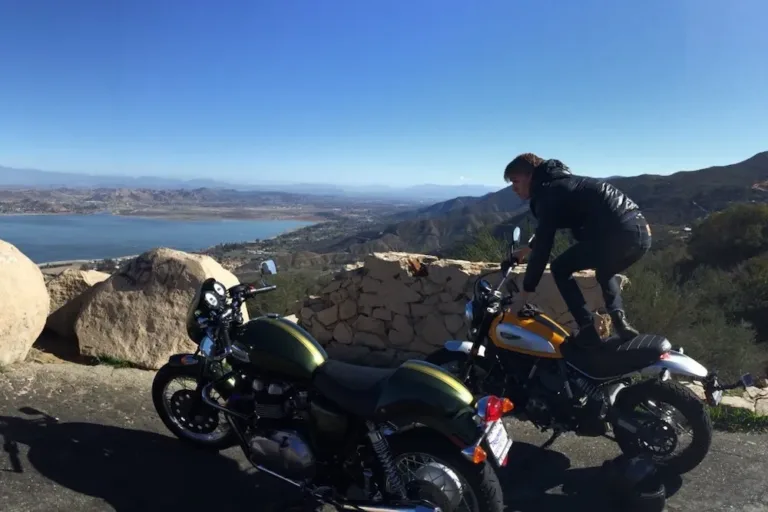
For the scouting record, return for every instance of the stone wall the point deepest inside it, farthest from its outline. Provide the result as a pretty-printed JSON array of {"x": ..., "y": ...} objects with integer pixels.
[{"x": 396, "y": 306}]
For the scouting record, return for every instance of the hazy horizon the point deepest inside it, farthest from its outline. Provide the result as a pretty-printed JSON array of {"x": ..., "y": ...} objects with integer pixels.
[{"x": 359, "y": 93}]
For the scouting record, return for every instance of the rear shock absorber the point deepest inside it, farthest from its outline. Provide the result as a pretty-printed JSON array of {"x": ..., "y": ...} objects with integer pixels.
[{"x": 384, "y": 455}]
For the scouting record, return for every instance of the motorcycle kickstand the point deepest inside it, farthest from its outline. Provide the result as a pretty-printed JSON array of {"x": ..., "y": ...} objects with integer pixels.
[
  {"x": 528, "y": 461},
  {"x": 549, "y": 442}
]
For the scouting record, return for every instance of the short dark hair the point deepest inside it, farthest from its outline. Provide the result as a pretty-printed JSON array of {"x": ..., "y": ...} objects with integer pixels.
[{"x": 522, "y": 164}]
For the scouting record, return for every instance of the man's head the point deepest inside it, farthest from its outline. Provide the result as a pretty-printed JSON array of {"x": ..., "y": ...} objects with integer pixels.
[{"x": 520, "y": 171}]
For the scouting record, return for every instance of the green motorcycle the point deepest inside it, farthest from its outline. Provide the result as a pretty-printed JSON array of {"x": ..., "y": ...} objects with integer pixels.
[{"x": 325, "y": 426}]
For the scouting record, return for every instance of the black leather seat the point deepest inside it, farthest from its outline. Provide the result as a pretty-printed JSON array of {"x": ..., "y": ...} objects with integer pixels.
[
  {"x": 356, "y": 389},
  {"x": 615, "y": 357}
]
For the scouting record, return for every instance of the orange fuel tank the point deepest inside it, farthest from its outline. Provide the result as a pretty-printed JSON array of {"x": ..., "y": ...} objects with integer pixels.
[{"x": 538, "y": 335}]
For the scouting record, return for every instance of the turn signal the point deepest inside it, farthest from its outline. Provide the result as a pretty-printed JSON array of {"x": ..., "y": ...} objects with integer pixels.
[{"x": 479, "y": 455}]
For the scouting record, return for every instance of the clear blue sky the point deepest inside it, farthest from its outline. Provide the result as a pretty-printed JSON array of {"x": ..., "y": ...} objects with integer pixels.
[{"x": 407, "y": 91}]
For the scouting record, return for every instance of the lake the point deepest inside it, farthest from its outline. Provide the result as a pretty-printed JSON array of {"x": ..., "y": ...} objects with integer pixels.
[{"x": 45, "y": 238}]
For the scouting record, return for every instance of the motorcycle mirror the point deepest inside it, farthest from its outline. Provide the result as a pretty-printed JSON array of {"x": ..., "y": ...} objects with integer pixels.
[
  {"x": 516, "y": 235},
  {"x": 268, "y": 267}
]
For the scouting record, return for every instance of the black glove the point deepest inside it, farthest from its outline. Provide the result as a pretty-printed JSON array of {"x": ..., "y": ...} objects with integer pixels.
[{"x": 505, "y": 266}]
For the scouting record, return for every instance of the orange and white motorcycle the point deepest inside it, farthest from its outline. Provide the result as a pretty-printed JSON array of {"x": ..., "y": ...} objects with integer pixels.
[{"x": 556, "y": 384}]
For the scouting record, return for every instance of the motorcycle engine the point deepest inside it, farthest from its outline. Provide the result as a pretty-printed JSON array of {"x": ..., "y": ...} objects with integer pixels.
[
  {"x": 547, "y": 402},
  {"x": 274, "y": 443},
  {"x": 283, "y": 452}
]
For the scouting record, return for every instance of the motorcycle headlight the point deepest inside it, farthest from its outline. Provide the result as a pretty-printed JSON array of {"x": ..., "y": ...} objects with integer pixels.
[{"x": 468, "y": 310}]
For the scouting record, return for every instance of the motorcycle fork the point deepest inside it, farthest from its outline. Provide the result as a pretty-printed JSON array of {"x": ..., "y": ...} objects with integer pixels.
[
  {"x": 480, "y": 335},
  {"x": 197, "y": 398}
]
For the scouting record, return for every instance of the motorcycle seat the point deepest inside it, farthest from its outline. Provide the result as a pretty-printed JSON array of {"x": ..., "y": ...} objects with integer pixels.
[
  {"x": 615, "y": 357},
  {"x": 356, "y": 389}
]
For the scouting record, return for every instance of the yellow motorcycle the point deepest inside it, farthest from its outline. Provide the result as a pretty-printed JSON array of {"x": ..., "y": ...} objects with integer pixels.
[{"x": 621, "y": 386}]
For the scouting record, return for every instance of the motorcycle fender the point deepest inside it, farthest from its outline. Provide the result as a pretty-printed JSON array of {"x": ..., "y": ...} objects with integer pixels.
[
  {"x": 460, "y": 429},
  {"x": 462, "y": 346},
  {"x": 677, "y": 364},
  {"x": 195, "y": 360},
  {"x": 184, "y": 360},
  {"x": 422, "y": 393}
]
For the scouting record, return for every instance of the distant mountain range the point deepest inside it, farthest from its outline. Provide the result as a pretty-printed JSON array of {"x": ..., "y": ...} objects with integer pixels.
[
  {"x": 671, "y": 200},
  {"x": 33, "y": 178}
]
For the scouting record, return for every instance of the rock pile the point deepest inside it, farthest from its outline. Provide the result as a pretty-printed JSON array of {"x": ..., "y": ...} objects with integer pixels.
[{"x": 398, "y": 305}]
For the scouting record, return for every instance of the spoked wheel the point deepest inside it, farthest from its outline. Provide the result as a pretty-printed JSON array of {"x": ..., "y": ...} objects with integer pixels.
[
  {"x": 434, "y": 470},
  {"x": 174, "y": 395},
  {"x": 676, "y": 429}
]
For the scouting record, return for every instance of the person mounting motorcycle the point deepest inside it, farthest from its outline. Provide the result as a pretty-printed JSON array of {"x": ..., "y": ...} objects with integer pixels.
[{"x": 609, "y": 228}]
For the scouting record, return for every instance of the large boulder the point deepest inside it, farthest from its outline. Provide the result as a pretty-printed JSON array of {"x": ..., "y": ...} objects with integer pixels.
[
  {"x": 24, "y": 304},
  {"x": 68, "y": 290},
  {"x": 138, "y": 314}
]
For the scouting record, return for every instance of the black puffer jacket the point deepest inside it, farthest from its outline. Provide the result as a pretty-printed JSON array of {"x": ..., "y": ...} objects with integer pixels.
[{"x": 589, "y": 207}]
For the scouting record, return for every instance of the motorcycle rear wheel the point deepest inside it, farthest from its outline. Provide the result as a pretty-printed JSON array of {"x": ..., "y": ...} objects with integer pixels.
[
  {"x": 684, "y": 400},
  {"x": 481, "y": 479}
]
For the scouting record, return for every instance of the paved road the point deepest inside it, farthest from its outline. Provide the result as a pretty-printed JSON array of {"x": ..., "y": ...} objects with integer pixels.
[{"x": 108, "y": 451}]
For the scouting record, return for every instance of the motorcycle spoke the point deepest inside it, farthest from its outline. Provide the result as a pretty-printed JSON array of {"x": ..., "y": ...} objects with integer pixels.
[
  {"x": 663, "y": 415},
  {"x": 199, "y": 427},
  {"x": 420, "y": 467}
]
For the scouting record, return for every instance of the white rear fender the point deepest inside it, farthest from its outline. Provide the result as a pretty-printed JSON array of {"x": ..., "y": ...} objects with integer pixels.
[
  {"x": 677, "y": 364},
  {"x": 462, "y": 346}
]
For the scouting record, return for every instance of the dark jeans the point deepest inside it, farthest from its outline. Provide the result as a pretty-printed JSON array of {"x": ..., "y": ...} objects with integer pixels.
[{"x": 607, "y": 256}]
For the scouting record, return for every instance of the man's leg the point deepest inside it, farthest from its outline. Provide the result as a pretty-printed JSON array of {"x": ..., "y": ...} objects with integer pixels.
[
  {"x": 581, "y": 256},
  {"x": 622, "y": 251}
]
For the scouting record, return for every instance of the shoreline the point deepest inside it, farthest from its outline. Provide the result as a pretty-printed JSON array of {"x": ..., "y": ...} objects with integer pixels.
[
  {"x": 66, "y": 263},
  {"x": 181, "y": 216}
]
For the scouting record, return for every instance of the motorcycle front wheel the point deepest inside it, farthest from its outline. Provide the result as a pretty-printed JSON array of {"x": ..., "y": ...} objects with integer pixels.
[
  {"x": 204, "y": 427},
  {"x": 651, "y": 403}
]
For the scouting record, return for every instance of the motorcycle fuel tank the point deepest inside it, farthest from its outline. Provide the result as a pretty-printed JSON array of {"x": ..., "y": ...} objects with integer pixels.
[
  {"x": 277, "y": 346},
  {"x": 538, "y": 335}
]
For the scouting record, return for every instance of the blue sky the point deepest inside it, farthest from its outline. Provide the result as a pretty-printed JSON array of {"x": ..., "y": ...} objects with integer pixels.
[{"x": 376, "y": 91}]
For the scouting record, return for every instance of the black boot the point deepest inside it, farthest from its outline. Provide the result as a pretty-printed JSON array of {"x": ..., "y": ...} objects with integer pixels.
[
  {"x": 587, "y": 337},
  {"x": 622, "y": 327}
]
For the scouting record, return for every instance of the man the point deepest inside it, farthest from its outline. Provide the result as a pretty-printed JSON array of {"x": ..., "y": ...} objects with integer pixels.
[{"x": 610, "y": 231}]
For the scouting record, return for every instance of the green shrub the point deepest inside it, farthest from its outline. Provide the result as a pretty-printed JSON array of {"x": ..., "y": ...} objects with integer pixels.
[
  {"x": 731, "y": 236},
  {"x": 292, "y": 286}
]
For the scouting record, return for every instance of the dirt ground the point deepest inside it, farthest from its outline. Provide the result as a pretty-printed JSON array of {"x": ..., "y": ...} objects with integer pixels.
[{"x": 87, "y": 438}]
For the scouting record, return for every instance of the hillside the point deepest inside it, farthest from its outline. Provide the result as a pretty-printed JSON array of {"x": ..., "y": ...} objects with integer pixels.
[
  {"x": 686, "y": 196},
  {"x": 191, "y": 202},
  {"x": 12, "y": 178},
  {"x": 672, "y": 200}
]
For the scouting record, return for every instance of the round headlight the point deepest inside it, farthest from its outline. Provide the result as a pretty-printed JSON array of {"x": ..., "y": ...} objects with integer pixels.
[{"x": 468, "y": 310}]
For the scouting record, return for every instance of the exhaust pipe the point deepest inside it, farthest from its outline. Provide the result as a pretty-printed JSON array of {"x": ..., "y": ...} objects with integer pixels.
[{"x": 359, "y": 506}]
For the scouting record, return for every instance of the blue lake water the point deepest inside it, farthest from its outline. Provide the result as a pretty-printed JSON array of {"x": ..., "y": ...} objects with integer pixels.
[{"x": 46, "y": 238}]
